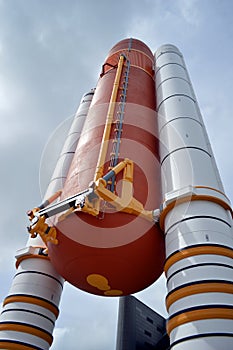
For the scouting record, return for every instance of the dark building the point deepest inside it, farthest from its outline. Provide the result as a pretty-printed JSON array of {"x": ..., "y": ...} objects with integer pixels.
[{"x": 140, "y": 327}]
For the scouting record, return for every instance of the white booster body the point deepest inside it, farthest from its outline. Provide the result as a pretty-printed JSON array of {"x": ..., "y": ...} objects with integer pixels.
[
  {"x": 31, "y": 307},
  {"x": 196, "y": 217},
  {"x": 63, "y": 164}
]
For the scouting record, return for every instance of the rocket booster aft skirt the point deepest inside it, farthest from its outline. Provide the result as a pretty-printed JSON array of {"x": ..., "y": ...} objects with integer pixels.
[{"x": 115, "y": 253}]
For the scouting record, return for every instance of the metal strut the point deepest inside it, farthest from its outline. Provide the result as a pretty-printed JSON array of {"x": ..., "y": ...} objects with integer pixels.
[
  {"x": 109, "y": 119},
  {"x": 88, "y": 202},
  {"x": 114, "y": 156},
  {"x": 84, "y": 201}
]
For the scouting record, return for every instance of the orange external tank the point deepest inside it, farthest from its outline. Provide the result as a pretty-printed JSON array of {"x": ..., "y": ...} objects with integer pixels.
[{"x": 110, "y": 246}]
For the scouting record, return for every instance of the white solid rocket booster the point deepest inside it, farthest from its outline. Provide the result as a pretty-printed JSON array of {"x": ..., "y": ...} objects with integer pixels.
[
  {"x": 196, "y": 217},
  {"x": 31, "y": 307}
]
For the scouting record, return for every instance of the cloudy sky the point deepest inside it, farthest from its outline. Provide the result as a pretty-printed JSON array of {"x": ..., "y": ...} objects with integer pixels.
[{"x": 51, "y": 52}]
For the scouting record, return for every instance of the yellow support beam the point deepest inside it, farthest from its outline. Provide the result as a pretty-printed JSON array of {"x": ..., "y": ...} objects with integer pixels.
[
  {"x": 109, "y": 121},
  {"x": 126, "y": 203}
]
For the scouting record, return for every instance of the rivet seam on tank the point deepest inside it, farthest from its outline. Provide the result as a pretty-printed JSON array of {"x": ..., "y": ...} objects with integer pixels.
[{"x": 102, "y": 283}]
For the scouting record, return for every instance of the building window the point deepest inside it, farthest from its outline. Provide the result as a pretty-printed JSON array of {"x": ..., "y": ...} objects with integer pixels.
[
  {"x": 149, "y": 320},
  {"x": 148, "y": 333}
]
